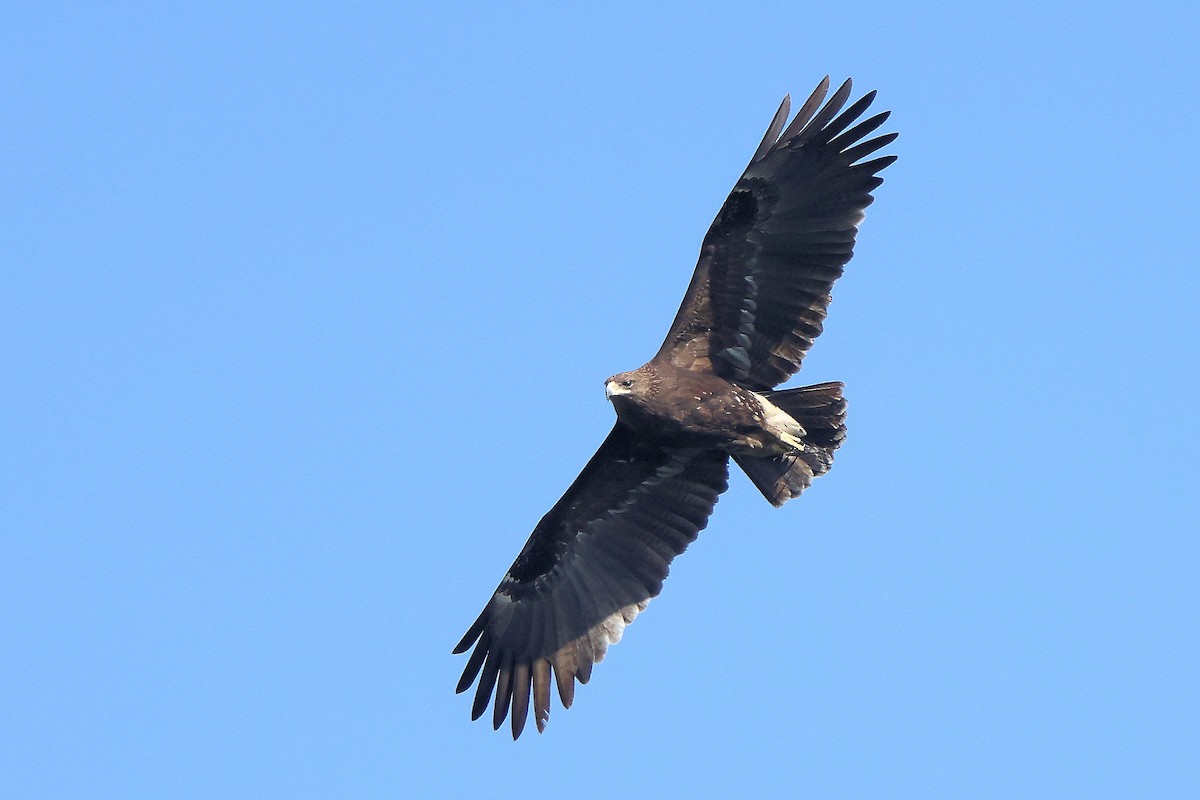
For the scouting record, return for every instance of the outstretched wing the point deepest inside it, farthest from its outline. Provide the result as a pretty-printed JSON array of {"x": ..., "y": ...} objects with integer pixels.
[
  {"x": 761, "y": 288},
  {"x": 592, "y": 563}
]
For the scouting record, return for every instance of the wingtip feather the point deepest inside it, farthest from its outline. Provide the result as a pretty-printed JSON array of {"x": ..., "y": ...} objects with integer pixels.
[
  {"x": 471, "y": 670},
  {"x": 541, "y": 693},
  {"x": 807, "y": 110},
  {"x": 504, "y": 690},
  {"x": 471, "y": 635},
  {"x": 520, "y": 698},
  {"x": 772, "y": 134},
  {"x": 565, "y": 680},
  {"x": 487, "y": 680}
]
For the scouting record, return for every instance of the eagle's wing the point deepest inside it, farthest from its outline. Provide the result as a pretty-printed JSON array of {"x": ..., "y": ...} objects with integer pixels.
[
  {"x": 592, "y": 563},
  {"x": 761, "y": 288}
]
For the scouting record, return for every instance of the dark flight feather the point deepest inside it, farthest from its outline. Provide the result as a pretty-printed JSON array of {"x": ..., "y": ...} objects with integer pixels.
[
  {"x": 589, "y": 568},
  {"x": 761, "y": 288}
]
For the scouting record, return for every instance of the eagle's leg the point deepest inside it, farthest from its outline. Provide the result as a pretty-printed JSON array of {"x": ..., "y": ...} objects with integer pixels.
[{"x": 821, "y": 413}]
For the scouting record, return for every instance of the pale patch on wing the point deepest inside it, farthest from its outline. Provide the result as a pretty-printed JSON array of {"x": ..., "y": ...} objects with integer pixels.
[
  {"x": 575, "y": 658},
  {"x": 559, "y": 619}
]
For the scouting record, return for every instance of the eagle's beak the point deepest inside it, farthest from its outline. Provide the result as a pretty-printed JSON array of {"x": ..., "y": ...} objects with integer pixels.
[{"x": 612, "y": 389}]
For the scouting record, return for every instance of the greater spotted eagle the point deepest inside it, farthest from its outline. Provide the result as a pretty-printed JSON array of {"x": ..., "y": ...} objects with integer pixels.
[{"x": 755, "y": 304}]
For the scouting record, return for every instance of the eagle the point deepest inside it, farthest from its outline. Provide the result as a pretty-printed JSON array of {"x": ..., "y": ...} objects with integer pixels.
[{"x": 756, "y": 302}]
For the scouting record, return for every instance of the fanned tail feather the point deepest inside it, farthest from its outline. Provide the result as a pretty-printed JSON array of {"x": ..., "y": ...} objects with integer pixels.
[{"x": 821, "y": 410}]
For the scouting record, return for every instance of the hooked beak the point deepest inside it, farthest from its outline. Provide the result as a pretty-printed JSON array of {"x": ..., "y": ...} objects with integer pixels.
[{"x": 613, "y": 389}]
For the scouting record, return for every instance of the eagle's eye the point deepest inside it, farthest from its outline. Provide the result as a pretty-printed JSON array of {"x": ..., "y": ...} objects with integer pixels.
[{"x": 627, "y": 382}]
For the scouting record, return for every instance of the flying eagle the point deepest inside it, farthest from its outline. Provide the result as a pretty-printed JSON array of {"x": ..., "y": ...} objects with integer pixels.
[{"x": 755, "y": 304}]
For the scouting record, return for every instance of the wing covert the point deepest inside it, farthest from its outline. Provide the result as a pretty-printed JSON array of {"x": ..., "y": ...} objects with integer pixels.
[
  {"x": 760, "y": 292},
  {"x": 591, "y": 565}
]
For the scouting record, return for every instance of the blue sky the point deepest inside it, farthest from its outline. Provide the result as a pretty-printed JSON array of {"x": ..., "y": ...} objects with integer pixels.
[{"x": 304, "y": 319}]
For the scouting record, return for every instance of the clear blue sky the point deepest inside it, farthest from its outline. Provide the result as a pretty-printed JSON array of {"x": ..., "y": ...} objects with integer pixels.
[{"x": 304, "y": 318}]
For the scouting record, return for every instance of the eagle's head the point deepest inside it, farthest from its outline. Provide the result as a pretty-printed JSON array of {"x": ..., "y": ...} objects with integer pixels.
[{"x": 635, "y": 385}]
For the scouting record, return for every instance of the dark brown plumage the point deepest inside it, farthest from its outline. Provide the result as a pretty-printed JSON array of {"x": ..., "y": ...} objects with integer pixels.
[{"x": 755, "y": 304}]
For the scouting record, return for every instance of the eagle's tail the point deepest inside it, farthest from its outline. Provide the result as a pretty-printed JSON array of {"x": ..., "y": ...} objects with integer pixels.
[{"x": 821, "y": 410}]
